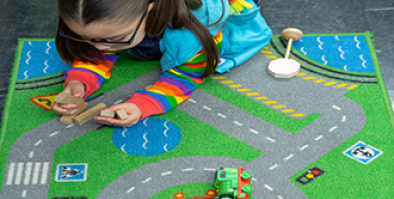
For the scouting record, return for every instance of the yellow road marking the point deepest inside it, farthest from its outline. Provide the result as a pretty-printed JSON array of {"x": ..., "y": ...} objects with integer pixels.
[
  {"x": 279, "y": 106},
  {"x": 301, "y": 74},
  {"x": 271, "y": 57},
  {"x": 244, "y": 89},
  {"x": 320, "y": 81},
  {"x": 252, "y": 94},
  {"x": 266, "y": 47},
  {"x": 266, "y": 52},
  {"x": 352, "y": 87},
  {"x": 218, "y": 77},
  {"x": 235, "y": 86},
  {"x": 311, "y": 77},
  {"x": 270, "y": 102},
  {"x": 227, "y": 82},
  {"x": 298, "y": 115},
  {"x": 330, "y": 83},
  {"x": 261, "y": 98},
  {"x": 266, "y": 98},
  {"x": 340, "y": 85}
]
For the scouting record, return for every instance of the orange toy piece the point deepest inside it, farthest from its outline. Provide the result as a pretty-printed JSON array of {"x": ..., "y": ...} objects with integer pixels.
[{"x": 244, "y": 182}]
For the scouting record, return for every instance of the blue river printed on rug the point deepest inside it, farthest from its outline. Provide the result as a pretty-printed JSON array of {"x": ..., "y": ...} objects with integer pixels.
[
  {"x": 151, "y": 136},
  {"x": 39, "y": 59},
  {"x": 350, "y": 53}
]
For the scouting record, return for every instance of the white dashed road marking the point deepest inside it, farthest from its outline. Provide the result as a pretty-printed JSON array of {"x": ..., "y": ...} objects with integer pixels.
[
  {"x": 131, "y": 189},
  {"x": 270, "y": 139},
  {"x": 166, "y": 173},
  {"x": 206, "y": 107},
  {"x": 254, "y": 131},
  {"x": 273, "y": 167},
  {"x": 192, "y": 100},
  {"x": 221, "y": 115},
  {"x": 37, "y": 143},
  {"x": 336, "y": 107},
  {"x": 288, "y": 157},
  {"x": 147, "y": 180},
  {"x": 333, "y": 128},
  {"x": 53, "y": 134},
  {"x": 238, "y": 123},
  {"x": 268, "y": 187},
  {"x": 304, "y": 147},
  {"x": 318, "y": 138}
]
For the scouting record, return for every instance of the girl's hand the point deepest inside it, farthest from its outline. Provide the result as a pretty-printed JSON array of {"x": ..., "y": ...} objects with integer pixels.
[
  {"x": 131, "y": 109},
  {"x": 74, "y": 88}
]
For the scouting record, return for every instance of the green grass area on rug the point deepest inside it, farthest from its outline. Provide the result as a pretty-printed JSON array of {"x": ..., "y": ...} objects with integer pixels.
[{"x": 343, "y": 173}]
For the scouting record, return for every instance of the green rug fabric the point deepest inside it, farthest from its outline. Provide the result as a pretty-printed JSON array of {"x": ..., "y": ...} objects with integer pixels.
[{"x": 286, "y": 132}]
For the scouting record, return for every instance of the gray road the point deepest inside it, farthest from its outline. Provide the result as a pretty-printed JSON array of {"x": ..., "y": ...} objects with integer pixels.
[
  {"x": 284, "y": 154},
  {"x": 30, "y": 158}
]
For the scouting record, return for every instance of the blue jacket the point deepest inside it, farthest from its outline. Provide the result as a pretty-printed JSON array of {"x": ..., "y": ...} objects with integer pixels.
[{"x": 244, "y": 35}]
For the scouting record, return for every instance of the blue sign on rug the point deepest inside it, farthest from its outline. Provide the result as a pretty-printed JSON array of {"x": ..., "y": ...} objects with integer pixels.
[
  {"x": 363, "y": 152},
  {"x": 71, "y": 172}
]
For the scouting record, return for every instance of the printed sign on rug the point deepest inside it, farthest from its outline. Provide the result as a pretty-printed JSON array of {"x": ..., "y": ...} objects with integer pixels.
[
  {"x": 363, "y": 152},
  {"x": 71, "y": 172}
]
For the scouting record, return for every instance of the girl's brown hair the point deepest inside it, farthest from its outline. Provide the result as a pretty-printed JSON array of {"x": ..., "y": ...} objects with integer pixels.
[{"x": 174, "y": 14}]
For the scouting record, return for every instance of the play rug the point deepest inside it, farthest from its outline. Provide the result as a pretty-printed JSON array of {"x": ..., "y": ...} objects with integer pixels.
[{"x": 325, "y": 133}]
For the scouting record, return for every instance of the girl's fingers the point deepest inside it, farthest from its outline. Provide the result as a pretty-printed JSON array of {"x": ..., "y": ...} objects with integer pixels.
[
  {"x": 115, "y": 122},
  {"x": 70, "y": 112},
  {"x": 105, "y": 123},
  {"x": 127, "y": 122},
  {"x": 65, "y": 109},
  {"x": 67, "y": 106}
]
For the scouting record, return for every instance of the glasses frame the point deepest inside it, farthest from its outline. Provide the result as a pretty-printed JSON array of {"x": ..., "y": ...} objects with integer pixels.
[{"x": 105, "y": 42}]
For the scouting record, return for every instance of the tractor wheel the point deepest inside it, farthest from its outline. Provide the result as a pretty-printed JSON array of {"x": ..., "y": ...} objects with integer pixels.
[{"x": 226, "y": 196}]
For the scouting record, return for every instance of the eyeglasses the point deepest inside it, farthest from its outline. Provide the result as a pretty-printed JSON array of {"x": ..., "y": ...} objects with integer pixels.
[{"x": 104, "y": 41}]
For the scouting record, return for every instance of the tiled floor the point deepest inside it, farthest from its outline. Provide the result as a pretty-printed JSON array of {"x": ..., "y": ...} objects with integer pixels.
[{"x": 38, "y": 18}]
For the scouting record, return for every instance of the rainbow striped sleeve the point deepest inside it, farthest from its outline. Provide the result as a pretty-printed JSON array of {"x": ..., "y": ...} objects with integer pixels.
[
  {"x": 236, "y": 6},
  {"x": 174, "y": 85},
  {"x": 92, "y": 75}
]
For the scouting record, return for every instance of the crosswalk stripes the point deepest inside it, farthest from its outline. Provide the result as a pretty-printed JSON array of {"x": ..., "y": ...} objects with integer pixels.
[
  {"x": 10, "y": 175},
  {"x": 21, "y": 173},
  {"x": 36, "y": 170},
  {"x": 28, "y": 172}
]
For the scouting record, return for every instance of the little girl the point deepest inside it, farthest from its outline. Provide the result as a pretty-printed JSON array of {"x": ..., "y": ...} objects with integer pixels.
[{"x": 187, "y": 36}]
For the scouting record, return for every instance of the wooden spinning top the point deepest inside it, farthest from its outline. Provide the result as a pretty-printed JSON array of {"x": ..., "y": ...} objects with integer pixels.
[{"x": 286, "y": 68}]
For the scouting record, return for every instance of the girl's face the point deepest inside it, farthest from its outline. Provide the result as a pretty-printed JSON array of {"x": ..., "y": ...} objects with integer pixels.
[{"x": 111, "y": 32}]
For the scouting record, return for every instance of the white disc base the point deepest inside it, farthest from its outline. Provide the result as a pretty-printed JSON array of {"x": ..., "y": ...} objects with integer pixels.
[{"x": 284, "y": 68}]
